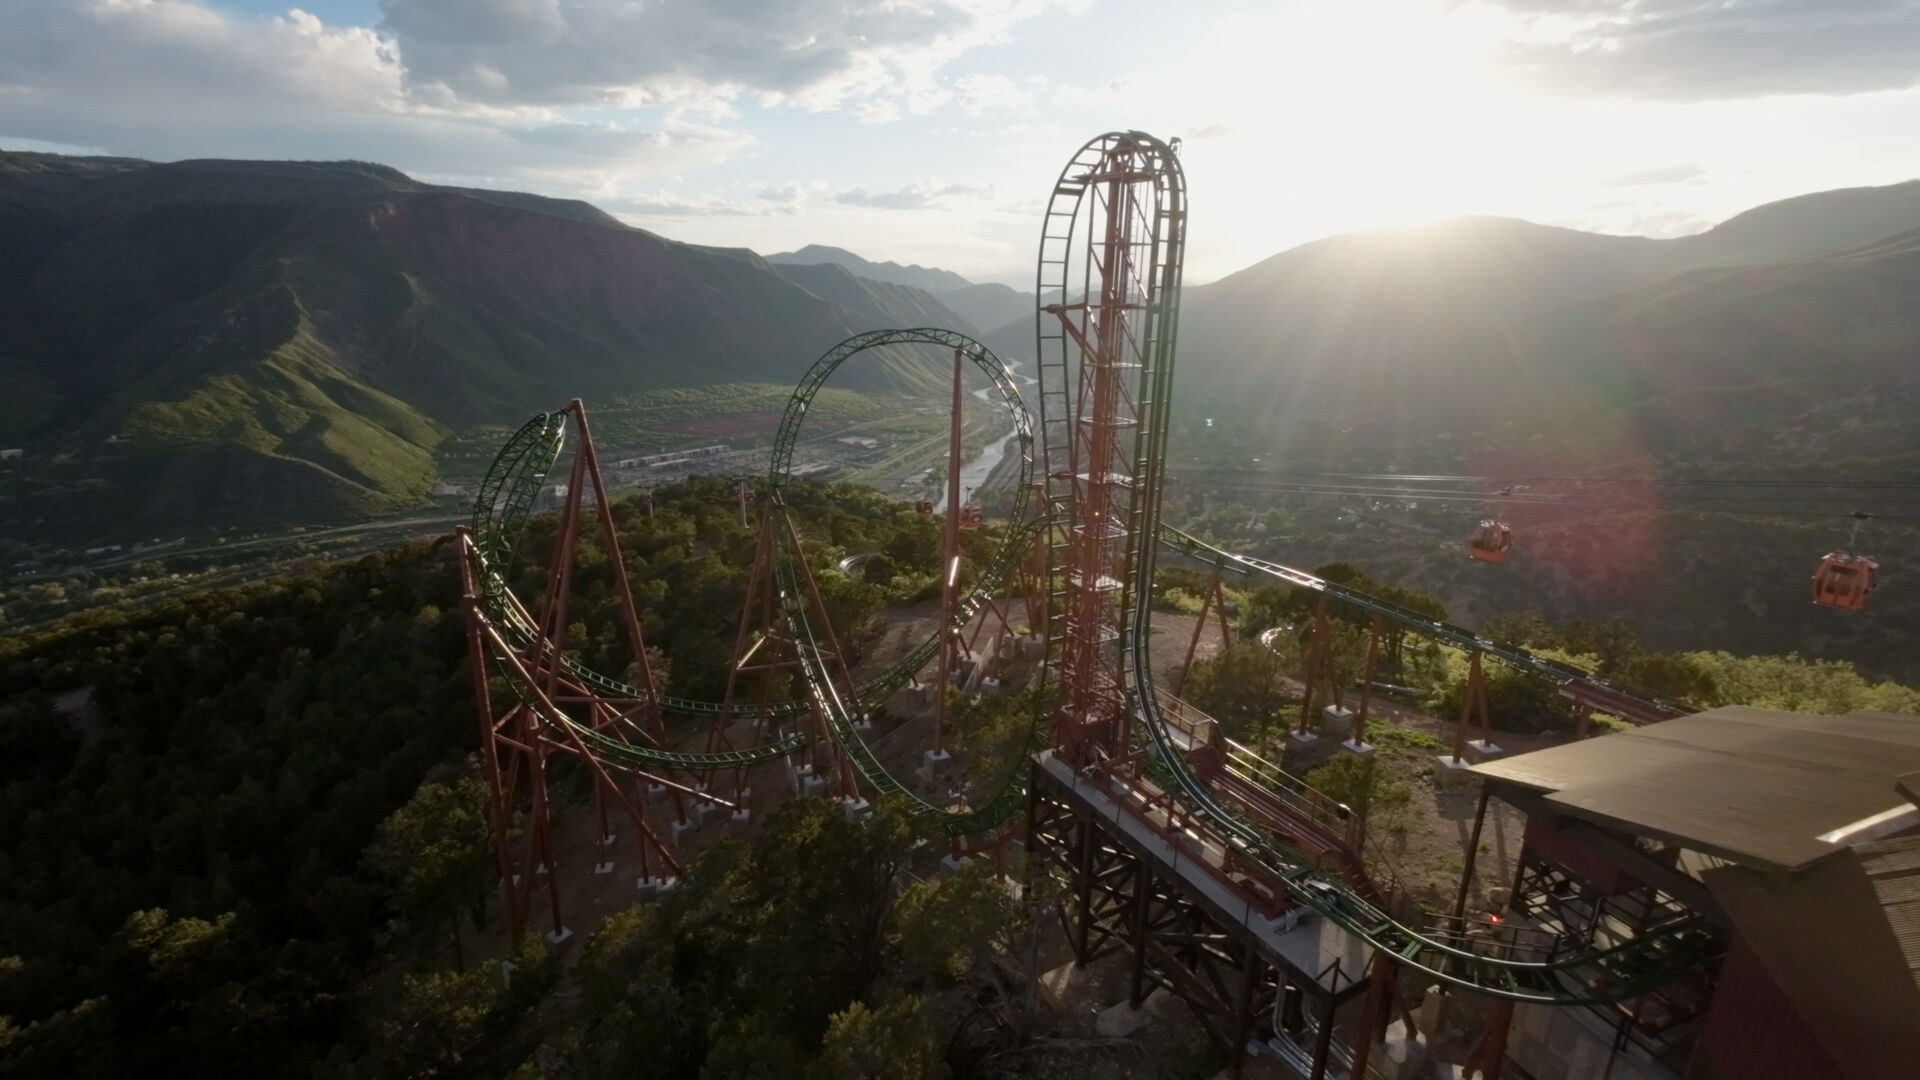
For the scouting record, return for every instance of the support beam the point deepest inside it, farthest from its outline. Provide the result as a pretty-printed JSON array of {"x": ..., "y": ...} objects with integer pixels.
[
  {"x": 949, "y": 573},
  {"x": 1466, "y": 872},
  {"x": 1674, "y": 883}
]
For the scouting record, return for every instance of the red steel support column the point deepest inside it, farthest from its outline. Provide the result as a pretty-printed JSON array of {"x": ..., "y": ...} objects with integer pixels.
[
  {"x": 1491, "y": 1052},
  {"x": 949, "y": 569},
  {"x": 1473, "y": 696},
  {"x": 1366, "y": 683},
  {"x": 498, "y": 812},
  {"x": 1318, "y": 666}
]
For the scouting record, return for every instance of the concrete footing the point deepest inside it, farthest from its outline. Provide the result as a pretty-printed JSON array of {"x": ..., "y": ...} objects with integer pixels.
[
  {"x": 603, "y": 867},
  {"x": 1480, "y": 750},
  {"x": 1336, "y": 721},
  {"x": 1301, "y": 740},
  {"x": 811, "y": 784},
  {"x": 653, "y": 885},
  {"x": 954, "y": 862},
  {"x": 1358, "y": 749},
  {"x": 559, "y": 937},
  {"x": 937, "y": 759},
  {"x": 682, "y": 828},
  {"x": 795, "y": 772},
  {"x": 1121, "y": 1020},
  {"x": 1450, "y": 771},
  {"x": 1057, "y": 983},
  {"x": 856, "y": 808}
]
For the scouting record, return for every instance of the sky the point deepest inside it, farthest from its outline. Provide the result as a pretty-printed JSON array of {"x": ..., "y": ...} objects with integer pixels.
[{"x": 930, "y": 131}]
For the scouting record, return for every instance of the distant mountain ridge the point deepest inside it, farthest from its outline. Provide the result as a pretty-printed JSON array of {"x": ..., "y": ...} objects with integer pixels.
[
  {"x": 932, "y": 279},
  {"x": 238, "y": 341},
  {"x": 1472, "y": 323},
  {"x": 1393, "y": 336},
  {"x": 264, "y": 341},
  {"x": 982, "y": 306}
]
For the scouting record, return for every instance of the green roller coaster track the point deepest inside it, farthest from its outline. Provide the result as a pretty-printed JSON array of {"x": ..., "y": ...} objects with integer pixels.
[
  {"x": 1593, "y": 976},
  {"x": 507, "y": 496},
  {"x": 843, "y": 715}
]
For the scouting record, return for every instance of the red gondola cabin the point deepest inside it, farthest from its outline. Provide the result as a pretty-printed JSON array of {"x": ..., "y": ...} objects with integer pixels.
[
  {"x": 1845, "y": 580},
  {"x": 1491, "y": 541}
]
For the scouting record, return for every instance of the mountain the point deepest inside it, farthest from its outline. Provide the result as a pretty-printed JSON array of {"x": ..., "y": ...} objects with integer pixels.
[
  {"x": 1472, "y": 325},
  {"x": 1823, "y": 220},
  {"x": 876, "y": 303},
  {"x": 243, "y": 341},
  {"x": 932, "y": 279},
  {"x": 989, "y": 304},
  {"x": 980, "y": 307},
  {"x": 1776, "y": 358}
]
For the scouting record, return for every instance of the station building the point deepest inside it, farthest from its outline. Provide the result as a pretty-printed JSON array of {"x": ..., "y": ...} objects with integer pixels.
[{"x": 1793, "y": 837}]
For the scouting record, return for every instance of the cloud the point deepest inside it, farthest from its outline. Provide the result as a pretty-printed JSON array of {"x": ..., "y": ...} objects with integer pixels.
[
  {"x": 170, "y": 79},
  {"x": 877, "y": 112},
  {"x": 668, "y": 204},
  {"x": 1664, "y": 174},
  {"x": 913, "y": 197},
  {"x": 1210, "y": 131},
  {"x": 979, "y": 93},
  {"x": 819, "y": 53},
  {"x": 784, "y": 193},
  {"x": 1689, "y": 50}
]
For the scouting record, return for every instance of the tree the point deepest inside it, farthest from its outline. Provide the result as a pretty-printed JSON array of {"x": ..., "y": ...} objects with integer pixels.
[
  {"x": 955, "y": 923},
  {"x": 1521, "y": 628},
  {"x": 436, "y": 847},
  {"x": 994, "y": 731},
  {"x": 915, "y": 546},
  {"x": 1613, "y": 642},
  {"x": 1267, "y": 607},
  {"x": 1359, "y": 784},
  {"x": 432, "y": 1020},
  {"x": 1516, "y": 700},
  {"x": 897, "y": 1041},
  {"x": 1671, "y": 675},
  {"x": 1241, "y": 687}
]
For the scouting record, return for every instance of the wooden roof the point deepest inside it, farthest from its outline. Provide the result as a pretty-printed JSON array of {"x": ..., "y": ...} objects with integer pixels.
[
  {"x": 1842, "y": 941},
  {"x": 1757, "y": 787}
]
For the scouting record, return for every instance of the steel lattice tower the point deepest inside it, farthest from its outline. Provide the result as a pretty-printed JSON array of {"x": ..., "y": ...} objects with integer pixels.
[{"x": 1108, "y": 287}]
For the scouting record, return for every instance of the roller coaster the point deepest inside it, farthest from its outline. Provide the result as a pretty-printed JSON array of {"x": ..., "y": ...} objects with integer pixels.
[{"x": 1087, "y": 495}]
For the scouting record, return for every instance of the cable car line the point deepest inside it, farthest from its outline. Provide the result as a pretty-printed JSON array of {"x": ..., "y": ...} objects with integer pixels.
[
  {"x": 1575, "y": 502},
  {"x": 1200, "y": 473}
]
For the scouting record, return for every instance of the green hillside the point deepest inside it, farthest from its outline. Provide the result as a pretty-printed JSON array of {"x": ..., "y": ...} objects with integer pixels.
[{"x": 269, "y": 342}]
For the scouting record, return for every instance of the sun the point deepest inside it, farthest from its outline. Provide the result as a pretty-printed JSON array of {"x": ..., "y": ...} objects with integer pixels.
[{"x": 1355, "y": 115}]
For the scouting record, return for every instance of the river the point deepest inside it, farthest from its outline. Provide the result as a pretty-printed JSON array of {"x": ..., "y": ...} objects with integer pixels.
[{"x": 975, "y": 473}]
